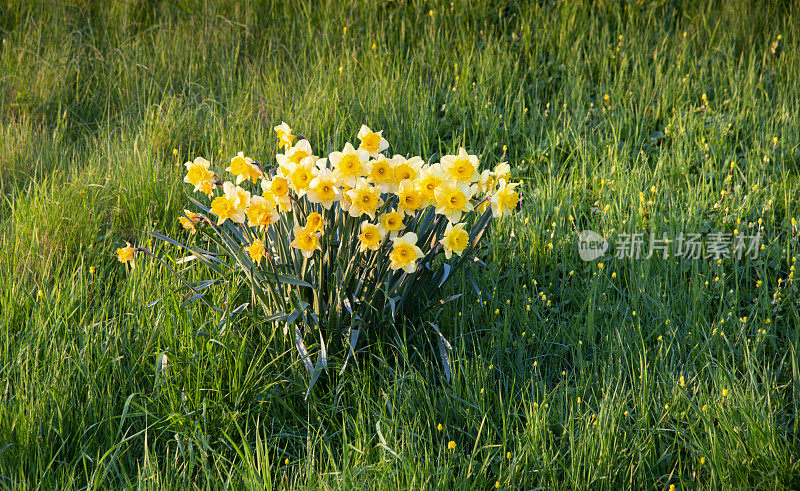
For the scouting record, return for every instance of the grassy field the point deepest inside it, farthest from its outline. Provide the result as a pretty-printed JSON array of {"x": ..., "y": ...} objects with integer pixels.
[{"x": 640, "y": 116}]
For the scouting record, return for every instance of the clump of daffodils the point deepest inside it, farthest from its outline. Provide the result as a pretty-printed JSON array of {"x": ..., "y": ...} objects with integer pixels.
[{"x": 341, "y": 242}]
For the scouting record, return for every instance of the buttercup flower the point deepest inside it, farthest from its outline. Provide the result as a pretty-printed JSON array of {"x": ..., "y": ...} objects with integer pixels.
[
  {"x": 323, "y": 189},
  {"x": 462, "y": 167},
  {"x": 256, "y": 251},
  {"x": 305, "y": 241},
  {"x": 455, "y": 239},
  {"x": 409, "y": 197},
  {"x": 125, "y": 255},
  {"x": 453, "y": 200},
  {"x": 285, "y": 136},
  {"x": 370, "y": 237},
  {"x": 372, "y": 142},
  {"x": 349, "y": 164},
  {"x": 391, "y": 223},
  {"x": 365, "y": 199},
  {"x": 380, "y": 172},
  {"x": 405, "y": 253},
  {"x": 505, "y": 199},
  {"x": 189, "y": 221}
]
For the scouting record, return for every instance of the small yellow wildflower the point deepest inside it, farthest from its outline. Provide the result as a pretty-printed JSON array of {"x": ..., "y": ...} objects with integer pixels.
[{"x": 451, "y": 445}]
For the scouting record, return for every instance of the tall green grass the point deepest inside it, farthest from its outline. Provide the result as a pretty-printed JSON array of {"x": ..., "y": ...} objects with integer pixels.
[{"x": 564, "y": 374}]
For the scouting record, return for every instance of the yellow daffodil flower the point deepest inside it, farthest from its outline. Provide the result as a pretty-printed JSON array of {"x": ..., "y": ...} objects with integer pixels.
[
  {"x": 301, "y": 175},
  {"x": 502, "y": 171},
  {"x": 314, "y": 223},
  {"x": 463, "y": 168},
  {"x": 349, "y": 164},
  {"x": 126, "y": 254},
  {"x": 206, "y": 187},
  {"x": 405, "y": 169},
  {"x": 455, "y": 239},
  {"x": 197, "y": 174},
  {"x": 225, "y": 209},
  {"x": 285, "y": 136},
  {"x": 372, "y": 142},
  {"x": 239, "y": 196},
  {"x": 299, "y": 152},
  {"x": 505, "y": 199},
  {"x": 278, "y": 188},
  {"x": 430, "y": 178},
  {"x": 487, "y": 182},
  {"x": 365, "y": 199},
  {"x": 380, "y": 172},
  {"x": 409, "y": 197},
  {"x": 405, "y": 253},
  {"x": 305, "y": 241},
  {"x": 231, "y": 205},
  {"x": 346, "y": 201},
  {"x": 262, "y": 211},
  {"x": 189, "y": 221},
  {"x": 244, "y": 168},
  {"x": 452, "y": 200},
  {"x": 323, "y": 189},
  {"x": 370, "y": 237},
  {"x": 256, "y": 251},
  {"x": 391, "y": 223}
]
